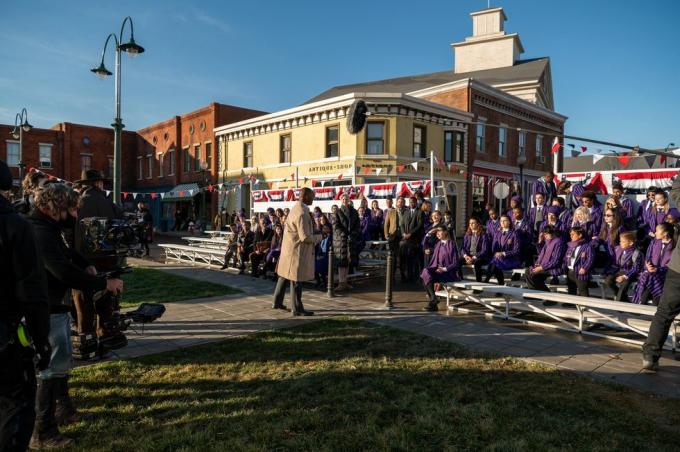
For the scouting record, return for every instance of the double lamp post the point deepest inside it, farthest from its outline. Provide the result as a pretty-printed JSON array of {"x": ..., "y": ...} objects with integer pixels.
[
  {"x": 21, "y": 125},
  {"x": 132, "y": 49}
]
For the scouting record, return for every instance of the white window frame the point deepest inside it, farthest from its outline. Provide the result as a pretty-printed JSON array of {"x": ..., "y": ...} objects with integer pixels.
[
  {"x": 140, "y": 168},
  {"x": 522, "y": 143},
  {"x": 160, "y": 165},
  {"x": 502, "y": 144},
  {"x": 172, "y": 166},
  {"x": 41, "y": 147},
  {"x": 7, "y": 160},
  {"x": 539, "y": 147},
  {"x": 479, "y": 144},
  {"x": 149, "y": 164},
  {"x": 85, "y": 154}
]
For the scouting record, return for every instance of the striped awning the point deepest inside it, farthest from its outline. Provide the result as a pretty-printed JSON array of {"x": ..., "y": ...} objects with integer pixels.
[{"x": 182, "y": 192}]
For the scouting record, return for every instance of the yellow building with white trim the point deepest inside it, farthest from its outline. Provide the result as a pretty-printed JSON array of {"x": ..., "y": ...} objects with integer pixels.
[{"x": 292, "y": 148}]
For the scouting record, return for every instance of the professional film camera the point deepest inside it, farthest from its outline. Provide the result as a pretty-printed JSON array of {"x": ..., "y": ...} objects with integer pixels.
[{"x": 112, "y": 241}]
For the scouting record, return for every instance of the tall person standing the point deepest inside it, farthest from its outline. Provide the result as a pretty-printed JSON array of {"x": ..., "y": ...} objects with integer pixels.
[
  {"x": 296, "y": 261},
  {"x": 669, "y": 305}
]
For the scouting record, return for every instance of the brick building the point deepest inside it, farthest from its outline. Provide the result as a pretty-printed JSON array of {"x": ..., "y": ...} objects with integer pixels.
[
  {"x": 503, "y": 92},
  {"x": 164, "y": 157}
]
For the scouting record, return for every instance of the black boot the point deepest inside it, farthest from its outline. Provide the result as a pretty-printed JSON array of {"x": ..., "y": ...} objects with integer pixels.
[
  {"x": 45, "y": 432},
  {"x": 65, "y": 413}
]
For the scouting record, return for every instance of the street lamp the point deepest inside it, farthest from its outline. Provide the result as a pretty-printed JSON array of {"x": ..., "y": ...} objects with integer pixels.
[
  {"x": 132, "y": 49},
  {"x": 21, "y": 125},
  {"x": 204, "y": 172},
  {"x": 521, "y": 160}
]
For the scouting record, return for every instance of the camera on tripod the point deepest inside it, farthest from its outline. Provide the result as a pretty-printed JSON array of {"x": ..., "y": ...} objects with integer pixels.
[{"x": 106, "y": 237}]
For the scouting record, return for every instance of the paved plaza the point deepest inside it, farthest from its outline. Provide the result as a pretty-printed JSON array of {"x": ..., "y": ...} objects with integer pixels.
[{"x": 200, "y": 321}]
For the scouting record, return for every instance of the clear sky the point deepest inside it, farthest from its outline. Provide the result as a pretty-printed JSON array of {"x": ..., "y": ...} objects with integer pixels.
[{"x": 615, "y": 64}]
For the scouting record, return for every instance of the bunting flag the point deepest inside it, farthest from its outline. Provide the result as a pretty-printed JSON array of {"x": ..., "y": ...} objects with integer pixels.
[
  {"x": 555, "y": 146},
  {"x": 163, "y": 195},
  {"x": 583, "y": 149},
  {"x": 292, "y": 176},
  {"x": 259, "y": 195},
  {"x": 108, "y": 192},
  {"x": 415, "y": 165},
  {"x": 367, "y": 170},
  {"x": 340, "y": 176},
  {"x": 650, "y": 160},
  {"x": 134, "y": 195},
  {"x": 572, "y": 146},
  {"x": 125, "y": 194},
  {"x": 324, "y": 194},
  {"x": 624, "y": 160},
  {"x": 153, "y": 195},
  {"x": 401, "y": 168},
  {"x": 181, "y": 193},
  {"x": 270, "y": 184},
  {"x": 378, "y": 171},
  {"x": 597, "y": 158},
  {"x": 663, "y": 159},
  {"x": 323, "y": 183},
  {"x": 314, "y": 183}
]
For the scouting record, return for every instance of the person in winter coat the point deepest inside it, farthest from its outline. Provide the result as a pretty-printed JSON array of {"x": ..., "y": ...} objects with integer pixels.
[{"x": 346, "y": 231}]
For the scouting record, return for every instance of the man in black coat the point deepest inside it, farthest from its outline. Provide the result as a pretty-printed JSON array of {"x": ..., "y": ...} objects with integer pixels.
[
  {"x": 411, "y": 224},
  {"x": 24, "y": 295},
  {"x": 64, "y": 270},
  {"x": 146, "y": 219}
]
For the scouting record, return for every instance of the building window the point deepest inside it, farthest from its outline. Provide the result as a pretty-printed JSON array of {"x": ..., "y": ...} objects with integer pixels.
[
  {"x": 453, "y": 146},
  {"x": 502, "y": 151},
  {"x": 160, "y": 165},
  {"x": 332, "y": 141},
  {"x": 197, "y": 157},
  {"x": 85, "y": 162},
  {"x": 375, "y": 138},
  {"x": 149, "y": 164},
  {"x": 539, "y": 148},
  {"x": 12, "y": 154},
  {"x": 248, "y": 154},
  {"x": 419, "y": 141},
  {"x": 522, "y": 143},
  {"x": 45, "y": 155},
  {"x": 140, "y": 168},
  {"x": 284, "y": 148},
  {"x": 479, "y": 142},
  {"x": 187, "y": 160},
  {"x": 208, "y": 155},
  {"x": 171, "y": 162},
  {"x": 109, "y": 167}
]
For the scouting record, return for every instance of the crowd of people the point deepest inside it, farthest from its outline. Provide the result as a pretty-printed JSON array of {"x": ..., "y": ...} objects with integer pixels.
[{"x": 53, "y": 285}]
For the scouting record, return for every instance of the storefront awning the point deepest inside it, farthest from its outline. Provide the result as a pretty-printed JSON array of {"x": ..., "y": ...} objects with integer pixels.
[{"x": 182, "y": 192}]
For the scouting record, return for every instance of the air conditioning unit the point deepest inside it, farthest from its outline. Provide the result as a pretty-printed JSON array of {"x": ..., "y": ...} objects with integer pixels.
[
  {"x": 45, "y": 164},
  {"x": 541, "y": 159}
]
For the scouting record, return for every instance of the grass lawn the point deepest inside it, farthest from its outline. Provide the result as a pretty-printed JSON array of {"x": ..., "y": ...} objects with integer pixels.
[
  {"x": 155, "y": 286},
  {"x": 349, "y": 385}
]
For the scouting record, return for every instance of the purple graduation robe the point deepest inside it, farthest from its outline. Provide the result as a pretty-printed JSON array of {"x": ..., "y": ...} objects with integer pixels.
[
  {"x": 656, "y": 217},
  {"x": 509, "y": 243},
  {"x": 483, "y": 253},
  {"x": 626, "y": 208},
  {"x": 551, "y": 255},
  {"x": 445, "y": 254},
  {"x": 584, "y": 258},
  {"x": 659, "y": 255},
  {"x": 533, "y": 212},
  {"x": 547, "y": 189},
  {"x": 628, "y": 262},
  {"x": 493, "y": 226},
  {"x": 596, "y": 217}
]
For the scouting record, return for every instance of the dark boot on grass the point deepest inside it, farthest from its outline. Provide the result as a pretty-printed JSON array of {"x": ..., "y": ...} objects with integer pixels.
[
  {"x": 45, "y": 431},
  {"x": 65, "y": 412}
]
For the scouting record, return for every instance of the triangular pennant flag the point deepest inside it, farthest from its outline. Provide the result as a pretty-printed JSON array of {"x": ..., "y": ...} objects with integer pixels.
[
  {"x": 624, "y": 160},
  {"x": 650, "y": 160},
  {"x": 314, "y": 183},
  {"x": 378, "y": 171},
  {"x": 181, "y": 193},
  {"x": 257, "y": 181},
  {"x": 584, "y": 148},
  {"x": 367, "y": 170},
  {"x": 108, "y": 192},
  {"x": 415, "y": 165},
  {"x": 153, "y": 195},
  {"x": 305, "y": 179},
  {"x": 663, "y": 159},
  {"x": 125, "y": 194},
  {"x": 597, "y": 158},
  {"x": 221, "y": 186},
  {"x": 240, "y": 180},
  {"x": 401, "y": 168},
  {"x": 292, "y": 176},
  {"x": 270, "y": 184},
  {"x": 163, "y": 195},
  {"x": 572, "y": 146},
  {"x": 555, "y": 146},
  {"x": 323, "y": 183},
  {"x": 340, "y": 176}
]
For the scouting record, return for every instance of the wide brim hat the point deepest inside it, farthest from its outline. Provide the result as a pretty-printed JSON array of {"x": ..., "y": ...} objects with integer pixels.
[{"x": 91, "y": 175}]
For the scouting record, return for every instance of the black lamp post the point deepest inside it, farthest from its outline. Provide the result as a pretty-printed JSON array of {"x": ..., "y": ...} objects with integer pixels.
[
  {"x": 21, "y": 125},
  {"x": 521, "y": 160},
  {"x": 132, "y": 49}
]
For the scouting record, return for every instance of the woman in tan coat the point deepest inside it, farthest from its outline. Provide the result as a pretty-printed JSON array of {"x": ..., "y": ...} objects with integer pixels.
[{"x": 296, "y": 262}]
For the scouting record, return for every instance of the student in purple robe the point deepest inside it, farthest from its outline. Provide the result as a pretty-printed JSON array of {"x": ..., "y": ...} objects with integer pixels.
[
  {"x": 626, "y": 204},
  {"x": 522, "y": 228},
  {"x": 581, "y": 219},
  {"x": 549, "y": 260},
  {"x": 494, "y": 223},
  {"x": 608, "y": 239},
  {"x": 515, "y": 201},
  {"x": 651, "y": 280},
  {"x": 476, "y": 250},
  {"x": 443, "y": 267},
  {"x": 376, "y": 220},
  {"x": 505, "y": 251},
  {"x": 589, "y": 201},
  {"x": 321, "y": 257},
  {"x": 544, "y": 185},
  {"x": 625, "y": 267},
  {"x": 430, "y": 238},
  {"x": 552, "y": 220},
  {"x": 537, "y": 214},
  {"x": 659, "y": 211},
  {"x": 578, "y": 260},
  {"x": 564, "y": 214},
  {"x": 274, "y": 250},
  {"x": 577, "y": 191},
  {"x": 646, "y": 207}
]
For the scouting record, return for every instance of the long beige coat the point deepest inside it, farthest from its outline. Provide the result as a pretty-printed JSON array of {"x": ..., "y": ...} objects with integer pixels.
[{"x": 296, "y": 261}]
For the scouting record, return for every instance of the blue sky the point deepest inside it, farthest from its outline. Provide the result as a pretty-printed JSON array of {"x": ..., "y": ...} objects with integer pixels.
[{"x": 615, "y": 64}]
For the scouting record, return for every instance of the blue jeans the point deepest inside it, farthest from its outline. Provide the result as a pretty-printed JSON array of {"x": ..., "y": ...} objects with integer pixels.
[{"x": 62, "y": 349}]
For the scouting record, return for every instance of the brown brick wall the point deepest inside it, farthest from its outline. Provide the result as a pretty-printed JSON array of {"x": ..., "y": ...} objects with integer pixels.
[{"x": 30, "y": 154}]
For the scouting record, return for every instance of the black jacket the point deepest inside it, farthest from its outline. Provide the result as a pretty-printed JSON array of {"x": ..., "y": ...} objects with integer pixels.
[
  {"x": 62, "y": 272},
  {"x": 94, "y": 203},
  {"x": 22, "y": 276},
  {"x": 412, "y": 223}
]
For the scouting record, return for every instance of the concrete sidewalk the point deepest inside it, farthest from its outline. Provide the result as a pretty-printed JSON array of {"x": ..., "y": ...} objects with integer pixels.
[{"x": 192, "y": 322}]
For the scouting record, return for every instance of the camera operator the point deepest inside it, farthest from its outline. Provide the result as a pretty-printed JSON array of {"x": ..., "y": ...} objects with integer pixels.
[
  {"x": 52, "y": 204},
  {"x": 146, "y": 219},
  {"x": 24, "y": 295},
  {"x": 94, "y": 203}
]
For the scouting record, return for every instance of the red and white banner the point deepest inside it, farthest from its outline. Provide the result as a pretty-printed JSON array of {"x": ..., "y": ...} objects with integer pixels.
[
  {"x": 259, "y": 196},
  {"x": 382, "y": 191},
  {"x": 643, "y": 179},
  {"x": 409, "y": 188},
  {"x": 354, "y": 192},
  {"x": 293, "y": 194},
  {"x": 276, "y": 195},
  {"x": 324, "y": 194}
]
